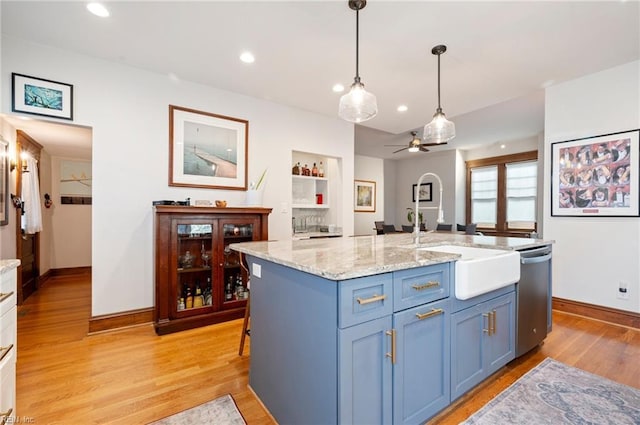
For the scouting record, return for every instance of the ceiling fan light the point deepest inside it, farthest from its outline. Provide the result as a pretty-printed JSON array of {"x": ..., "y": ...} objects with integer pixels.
[
  {"x": 358, "y": 105},
  {"x": 413, "y": 149},
  {"x": 439, "y": 130}
]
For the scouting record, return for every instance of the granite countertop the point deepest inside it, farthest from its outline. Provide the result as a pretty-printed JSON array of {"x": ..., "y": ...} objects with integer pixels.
[
  {"x": 351, "y": 257},
  {"x": 7, "y": 265},
  {"x": 316, "y": 235}
]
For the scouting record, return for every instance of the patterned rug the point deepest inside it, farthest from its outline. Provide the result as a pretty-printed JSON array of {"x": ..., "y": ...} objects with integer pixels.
[
  {"x": 221, "y": 411},
  {"x": 554, "y": 393}
]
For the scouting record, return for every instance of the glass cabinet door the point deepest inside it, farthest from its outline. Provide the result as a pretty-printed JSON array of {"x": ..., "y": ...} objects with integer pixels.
[
  {"x": 194, "y": 290},
  {"x": 234, "y": 274}
]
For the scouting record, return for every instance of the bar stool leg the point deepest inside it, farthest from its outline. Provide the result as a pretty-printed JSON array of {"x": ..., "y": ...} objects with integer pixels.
[{"x": 245, "y": 324}]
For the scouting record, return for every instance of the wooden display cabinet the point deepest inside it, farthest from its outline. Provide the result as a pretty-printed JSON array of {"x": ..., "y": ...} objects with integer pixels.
[{"x": 199, "y": 280}]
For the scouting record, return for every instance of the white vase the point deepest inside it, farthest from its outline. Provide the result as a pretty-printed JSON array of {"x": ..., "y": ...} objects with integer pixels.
[{"x": 254, "y": 198}]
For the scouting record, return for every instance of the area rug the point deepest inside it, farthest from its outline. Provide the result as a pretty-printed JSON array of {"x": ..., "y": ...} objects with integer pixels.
[
  {"x": 554, "y": 393},
  {"x": 221, "y": 411}
]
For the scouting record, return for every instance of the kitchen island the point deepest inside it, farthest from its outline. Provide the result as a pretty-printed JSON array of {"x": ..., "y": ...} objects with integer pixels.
[{"x": 367, "y": 329}]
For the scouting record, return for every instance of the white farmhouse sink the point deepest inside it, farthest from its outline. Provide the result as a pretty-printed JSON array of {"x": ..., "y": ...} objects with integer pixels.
[{"x": 481, "y": 270}]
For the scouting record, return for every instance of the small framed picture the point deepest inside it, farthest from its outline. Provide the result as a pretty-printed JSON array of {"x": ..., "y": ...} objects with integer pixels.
[
  {"x": 364, "y": 196},
  {"x": 424, "y": 194},
  {"x": 38, "y": 96}
]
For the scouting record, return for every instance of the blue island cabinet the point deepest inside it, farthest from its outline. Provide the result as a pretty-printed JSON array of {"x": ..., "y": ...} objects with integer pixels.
[{"x": 325, "y": 351}]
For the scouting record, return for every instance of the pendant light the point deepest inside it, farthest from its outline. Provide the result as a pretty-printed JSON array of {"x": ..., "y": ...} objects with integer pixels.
[
  {"x": 358, "y": 105},
  {"x": 440, "y": 129}
]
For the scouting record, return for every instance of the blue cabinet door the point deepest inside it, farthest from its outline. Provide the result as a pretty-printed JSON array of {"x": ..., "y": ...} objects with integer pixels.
[
  {"x": 365, "y": 373},
  {"x": 467, "y": 357},
  {"x": 500, "y": 344},
  {"x": 421, "y": 378}
]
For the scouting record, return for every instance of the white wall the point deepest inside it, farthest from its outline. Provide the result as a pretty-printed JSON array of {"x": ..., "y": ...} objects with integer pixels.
[
  {"x": 409, "y": 171},
  {"x": 370, "y": 169},
  {"x": 592, "y": 255},
  {"x": 128, "y": 111},
  {"x": 8, "y": 232}
]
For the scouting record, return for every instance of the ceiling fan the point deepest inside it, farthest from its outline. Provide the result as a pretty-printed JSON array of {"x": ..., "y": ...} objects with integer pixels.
[{"x": 416, "y": 144}]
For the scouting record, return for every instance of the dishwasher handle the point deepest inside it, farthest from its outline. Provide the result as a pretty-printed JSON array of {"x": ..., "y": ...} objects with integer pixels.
[{"x": 534, "y": 260}]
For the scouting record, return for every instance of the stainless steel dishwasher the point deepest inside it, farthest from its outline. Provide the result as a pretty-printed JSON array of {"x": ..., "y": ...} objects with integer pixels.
[{"x": 533, "y": 298}]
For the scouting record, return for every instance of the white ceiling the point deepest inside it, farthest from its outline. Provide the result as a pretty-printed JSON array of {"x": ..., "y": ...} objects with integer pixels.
[{"x": 500, "y": 54}]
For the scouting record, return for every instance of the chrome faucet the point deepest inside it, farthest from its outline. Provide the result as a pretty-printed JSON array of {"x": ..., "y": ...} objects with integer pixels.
[{"x": 416, "y": 230}]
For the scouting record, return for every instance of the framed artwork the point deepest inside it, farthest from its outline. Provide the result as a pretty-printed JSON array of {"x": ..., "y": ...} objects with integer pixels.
[
  {"x": 596, "y": 176},
  {"x": 38, "y": 96},
  {"x": 4, "y": 182},
  {"x": 75, "y": 182},
  {"x": 207, "y": 150},
  {"x": 425, "y": 192},
  {"x": 364, "y": 196}
]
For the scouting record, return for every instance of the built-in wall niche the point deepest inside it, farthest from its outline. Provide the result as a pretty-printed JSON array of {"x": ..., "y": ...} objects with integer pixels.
[{"x": 316, "y": 194}]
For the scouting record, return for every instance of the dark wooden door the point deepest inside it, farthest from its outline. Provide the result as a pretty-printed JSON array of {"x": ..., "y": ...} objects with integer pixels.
[
  {"x": 27, "y": 246},
  {"x": 30, "y": 271}
]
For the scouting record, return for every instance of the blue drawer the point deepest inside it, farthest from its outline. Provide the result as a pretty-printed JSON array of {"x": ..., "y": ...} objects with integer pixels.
[
  {"x": 419, "y": 286},
  {"x": 364, "y": 299}
]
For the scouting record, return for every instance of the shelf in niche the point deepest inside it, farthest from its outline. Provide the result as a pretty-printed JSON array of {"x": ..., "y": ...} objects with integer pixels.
[
  {"x": 311, "y": 206},
  {"x": 309, "y": 178}
]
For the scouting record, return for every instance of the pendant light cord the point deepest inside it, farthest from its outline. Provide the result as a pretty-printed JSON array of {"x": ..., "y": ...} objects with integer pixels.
[
  {"x": 439, "y": 107},
  {"x": 357, "y": 44}
]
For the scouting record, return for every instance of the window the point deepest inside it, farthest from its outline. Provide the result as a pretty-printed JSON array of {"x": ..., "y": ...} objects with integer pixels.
[{"x": 502, "y": 193}]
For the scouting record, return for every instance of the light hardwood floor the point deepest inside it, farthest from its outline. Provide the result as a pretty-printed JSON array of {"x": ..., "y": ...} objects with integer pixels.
[{"x": 133, "y": 376}]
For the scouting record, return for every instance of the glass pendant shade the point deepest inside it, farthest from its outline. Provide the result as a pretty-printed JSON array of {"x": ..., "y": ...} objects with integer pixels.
[
  {"x": 358, "y": 105},
  {"x": 413, "y": 149},
  {"x": 440, "y": 129}
]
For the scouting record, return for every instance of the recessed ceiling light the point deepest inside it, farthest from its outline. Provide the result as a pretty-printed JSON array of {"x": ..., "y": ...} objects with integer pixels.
[
  {"x": 502, "y": 146},
  {"x": 247, "y": 57},
  {"x": 403, "y": 108},
  {"x": 338, "y": 88},
  {"x": 98, "y": 9}
]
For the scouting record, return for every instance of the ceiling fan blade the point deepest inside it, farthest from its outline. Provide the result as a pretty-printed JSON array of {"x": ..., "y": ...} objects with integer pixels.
[
  {"x": 422, "y": 149},
  {"x": 433, "y": 144},
  {"x": 400, "y": 150}
]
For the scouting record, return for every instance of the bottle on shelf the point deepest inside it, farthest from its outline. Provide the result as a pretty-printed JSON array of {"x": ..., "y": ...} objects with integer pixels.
[
  {"x": 314, "y": 170},
  {"x": 321, "y": 170},
  {"x": 296, "y": 171},
  {"x": 198, "y": 298},
  {"x": 306, "y": 171},
  {"x": 208, "y": 297},
  {"x": 181, "y": 303},
  {"x": 188, "y": 299},
  {"x": 228, "y": 290}
]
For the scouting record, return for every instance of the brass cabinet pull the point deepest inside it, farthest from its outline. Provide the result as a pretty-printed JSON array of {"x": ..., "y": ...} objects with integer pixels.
[
  {"x": 371, "y": 300},
  {"x": 429, "y": 284},
  {"x": 5, "y": 351},
  {"x": 5, "y": 415},
  {"x": 392, "y": 354},
  {"x": 433, "y": 312},
  {"x": 488, "y": 316},
  {"x": 4, "y": 296},
  {"x": 493, "y": 322}
]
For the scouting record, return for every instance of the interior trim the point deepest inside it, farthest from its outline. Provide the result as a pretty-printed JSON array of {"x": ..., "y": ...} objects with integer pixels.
[
  {"x": 606, "y": 314},
  {"x": 124, "y": 319}
]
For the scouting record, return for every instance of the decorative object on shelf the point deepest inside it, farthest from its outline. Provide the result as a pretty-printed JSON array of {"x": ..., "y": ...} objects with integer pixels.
[
  {"x": 297, "y": 169},
  {"x": 4, "y": 182},
  {"x": 254, "y": 194},
  {"x": 425, "y": 193},
  {"x": 320, "y": 170},
  {"x": 314, "y": 170},
  {"x": 364, "y": 196},
  {"x": 221, "y": 203},
  {"x": 358, "y": 105},
  {"x": 440, "y": 129},
  {"x": 207, "y": 150},
  {"x": 205, "y": 257},
  {"x": 202, "y": 203},
  {"x": 595, "y": 176},
  {"x": 416, "y": 145},
  {"x": 38, "y": 96},
  {"x": 186, "y": 261}
]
